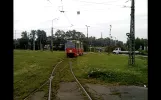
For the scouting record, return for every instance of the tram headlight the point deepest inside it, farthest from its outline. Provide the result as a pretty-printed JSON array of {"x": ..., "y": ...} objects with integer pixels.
[{"x": 70, "y": 50}]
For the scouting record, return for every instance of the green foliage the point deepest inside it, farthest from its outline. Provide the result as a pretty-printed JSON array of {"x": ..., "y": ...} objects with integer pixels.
[
  {"x": 85, "y": 46},
  {"x": 109, "y": 49},
  {"x": 92, "y": 49},
  {"x": 24, "y": 35},
  {"x": 111, "y": 69},
  {"x": 143, "y": 52},
  {"x": 139, "y": 42},
  {"x": 41, "y": 38},
  {"x": 26, "y": 42},
  {"x": 124, "y": 77}
]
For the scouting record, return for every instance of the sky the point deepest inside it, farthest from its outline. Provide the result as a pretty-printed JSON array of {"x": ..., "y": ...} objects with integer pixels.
[{"x": 98, "y": 14}]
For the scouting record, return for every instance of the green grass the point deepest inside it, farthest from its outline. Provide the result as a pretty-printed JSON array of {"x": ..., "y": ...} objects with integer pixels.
[
  {"x": 96, "y": 67},
  {"x": 32, "y": 69}
]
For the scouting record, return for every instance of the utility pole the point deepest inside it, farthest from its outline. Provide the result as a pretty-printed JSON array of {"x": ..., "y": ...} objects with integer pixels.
[
  {"x": 52, "y": 34},
  {"x": 103, "y": 44},
  {"x": 87, "y": 31},
  {"x": 28, "y": 39},
  {"x": 52, "y": 39},
  {"x": 87, "y": 37},
  {"x": 15, "y": 34},
  {"x": 115, "y": 41},
  {"x": 34, "y": 40},
  {"x": 110, "y": 32},
  {"x": 40, "y": 42},
  {"x": 132, "y": 31},
  {"x": 131, "y": 35},
  {"x": 110, "y": 35},
  {"x": 15, "y": 39}
]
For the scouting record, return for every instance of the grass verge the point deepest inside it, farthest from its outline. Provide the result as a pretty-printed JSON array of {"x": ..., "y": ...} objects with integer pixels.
[
  {"x": 112, "y": 69},
  {"x": 32, "y": 69}
]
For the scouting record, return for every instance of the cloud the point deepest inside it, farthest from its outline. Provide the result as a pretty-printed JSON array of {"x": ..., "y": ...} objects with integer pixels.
[{"x": 37, "y": 14}]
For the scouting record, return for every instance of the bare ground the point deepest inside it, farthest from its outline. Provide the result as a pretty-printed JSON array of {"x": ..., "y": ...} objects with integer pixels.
[
  {"x": 37, "y": 96},
  {"x": 69, "y": 91},
  {"x": 101, "y": 92}
]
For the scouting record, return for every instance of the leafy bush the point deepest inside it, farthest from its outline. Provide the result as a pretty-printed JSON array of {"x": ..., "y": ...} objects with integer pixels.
[
  {"x": 143, "y": 52},
  {"x": 122, "y": 77}
]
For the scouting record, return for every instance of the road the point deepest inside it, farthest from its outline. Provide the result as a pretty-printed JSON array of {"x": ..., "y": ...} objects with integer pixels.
[
  {"x": 104, "y": 92},
  {"x": 136, "y": 55}
]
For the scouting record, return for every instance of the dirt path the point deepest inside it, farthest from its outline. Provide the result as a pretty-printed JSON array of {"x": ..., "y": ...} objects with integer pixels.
[
  {"x": 69, "y": 91},
  {"x": 117, "y": 92},
  {"x": 38, "y": 96}
]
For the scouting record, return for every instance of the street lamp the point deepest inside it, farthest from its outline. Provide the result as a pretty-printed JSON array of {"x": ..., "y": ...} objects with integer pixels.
[
  {"x": 53, "y": 20},
  {"x": 110, "y": 35},
  {"x": 115, "y": 41},
  {"x": 87, "y": 34},
  {"x": 87, "y": 30},
  {"x": 52, "y": 34}
]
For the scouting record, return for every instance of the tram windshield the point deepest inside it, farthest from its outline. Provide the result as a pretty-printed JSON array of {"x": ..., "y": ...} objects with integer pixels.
[{"x": 70, "y": 45}]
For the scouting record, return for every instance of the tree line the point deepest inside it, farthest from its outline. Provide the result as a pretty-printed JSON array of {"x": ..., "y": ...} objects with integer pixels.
[
  {"x": 60, "y": 37},
  {"x": 140, "y": 43}
]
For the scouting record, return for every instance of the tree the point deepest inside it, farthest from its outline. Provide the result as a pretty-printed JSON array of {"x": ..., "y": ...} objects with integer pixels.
[
  {"x": 24, "y": 40},
  {"x": 32, "y": 39},
  {"x": 139, "y": 43},
  {"x": 41, "y": 38},
  {"x": 24, "y": 35}
]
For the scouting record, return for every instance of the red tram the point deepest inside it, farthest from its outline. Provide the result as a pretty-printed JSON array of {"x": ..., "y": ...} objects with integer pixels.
[{"x": 73, "y": 48}]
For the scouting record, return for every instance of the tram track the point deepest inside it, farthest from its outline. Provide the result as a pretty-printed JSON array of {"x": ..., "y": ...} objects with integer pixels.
[
  {"x": 35, "y": 90},
  {"x": 70, "y": 64},
  {"x": 60, "y": 71}
]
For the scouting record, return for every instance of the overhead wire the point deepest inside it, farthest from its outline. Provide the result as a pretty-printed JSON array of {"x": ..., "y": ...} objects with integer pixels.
[
  {"x": 90, "y": 3},
  {"x": 94, "y": 3},
  {"x": 95, "y": 9},
  {"x": 68, "y": 19},
  {"x": 64, "y": 12},
  {"x": 85, "y": 10},
  {"x": 127, "y": 1},
  {"x": 49, "y": 1},
  {"x": 103, "y": 3},
  {"x": 98, "y": 2}
]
